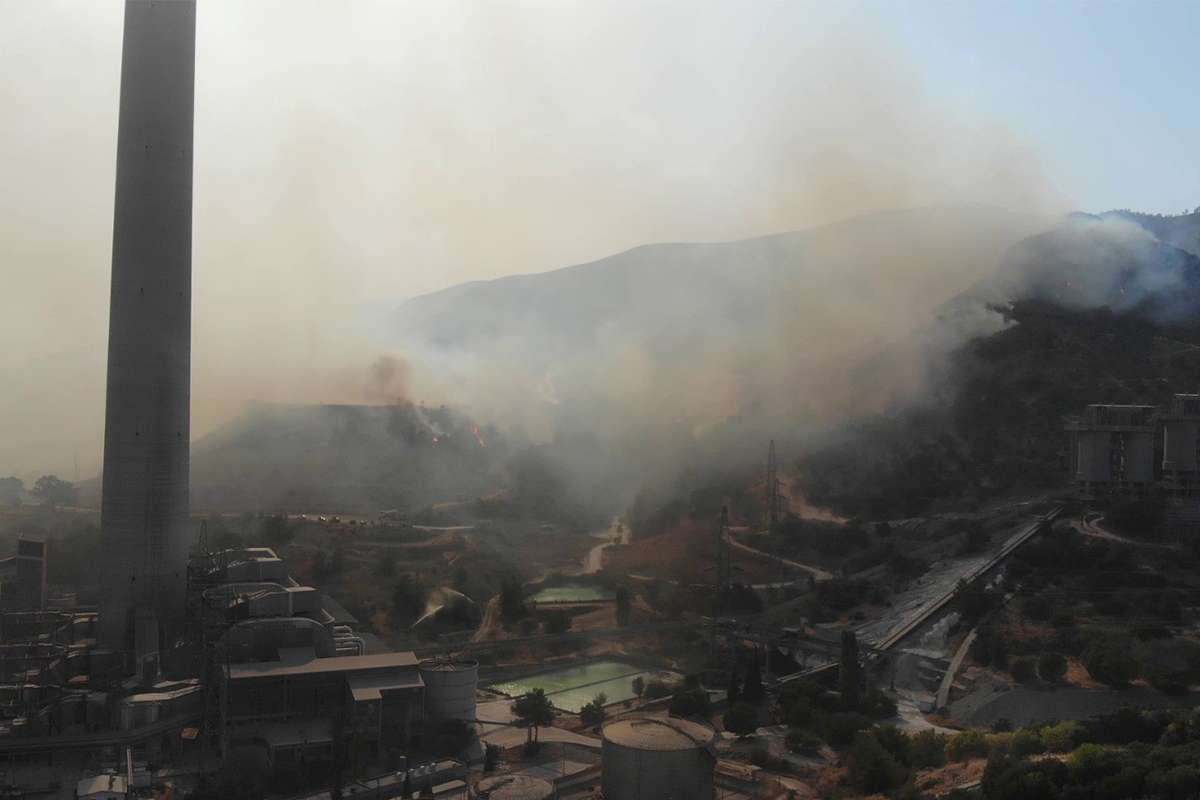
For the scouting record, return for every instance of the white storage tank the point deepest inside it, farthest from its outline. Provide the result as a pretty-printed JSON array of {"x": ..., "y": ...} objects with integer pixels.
[
  {"x": 450, "y": 687},
  {"x": 513, "y": 787},
  {"x": 658, "y": 758}
]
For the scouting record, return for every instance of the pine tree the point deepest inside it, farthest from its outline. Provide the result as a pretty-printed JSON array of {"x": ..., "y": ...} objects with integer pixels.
[
  {"x": 734, "y": 692},
  {"x": 752, "y": 690},
  {"x": 850, "y": 671}
]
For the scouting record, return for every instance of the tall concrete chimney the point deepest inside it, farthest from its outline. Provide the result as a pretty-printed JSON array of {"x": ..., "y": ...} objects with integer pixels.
[{"x": 144, "y": 512}]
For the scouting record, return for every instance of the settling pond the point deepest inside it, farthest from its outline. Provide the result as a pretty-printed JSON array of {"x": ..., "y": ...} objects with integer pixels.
[
  {"x": 572, "y": 593},
  {"x": 571, "y": 688}
]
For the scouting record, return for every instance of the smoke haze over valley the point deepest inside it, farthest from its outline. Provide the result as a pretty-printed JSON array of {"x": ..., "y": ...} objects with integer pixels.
[{"x": 347, "y": 162}]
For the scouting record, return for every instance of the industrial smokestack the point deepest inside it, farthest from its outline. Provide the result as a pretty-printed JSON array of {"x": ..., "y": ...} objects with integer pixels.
[{"x": 144, "y": 512}]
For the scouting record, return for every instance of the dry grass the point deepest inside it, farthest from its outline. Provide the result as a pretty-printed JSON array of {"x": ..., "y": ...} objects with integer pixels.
[{"x": 685, "y": 553}]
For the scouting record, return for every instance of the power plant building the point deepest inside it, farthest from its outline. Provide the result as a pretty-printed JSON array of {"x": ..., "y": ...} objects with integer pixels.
[
  {"x": 144, "y": 508},
  {"x": 1181, "y": 441},
  {"x": 1113, "y": 447},
  {"x": 286, "y": 706},
  {"x": 23, "y": 577}
]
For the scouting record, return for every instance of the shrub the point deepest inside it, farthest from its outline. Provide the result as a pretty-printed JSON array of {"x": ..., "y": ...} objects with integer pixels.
[
  {"x": 999, "y": 742},
  {"x": 1182, "y": 780},
  {"x": 741, "y": 719},
  {"x": 1062, "y": 618},
  {"x": 799, "y": 713},
  {"x": 1022, "y": 670},
  {"x": 656, "y": 689},
  {"x": 967, "y": 745},
  {"x": 877, "y": 705},
  {"x": 1091, "y": 763},
  {"x": 593, "y": 713},
  {"x": 928, "y": 749},
  {"x": 895, "y": 742},
  {"x": 1037, "y": 608},
  {"x": 557, "y": 622},
  {"x": 1060, "y": 738},
  {"x": 990, "y": 648},
  {"x": 800, "y": 741},
  {"x": 1111, "y": 662},
  {"x": 843, "y": 725},
  {"x": 1026, "y": 743},
  {"x": 1170, "y": 665},
  {"x": 871, "y": 768},
  {"x": 689, "y": 703},
  {"x": 1052, "y": 667}
]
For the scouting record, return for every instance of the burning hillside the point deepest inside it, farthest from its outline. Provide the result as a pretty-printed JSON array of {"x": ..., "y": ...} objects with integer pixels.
[{"x": 345, "y": 457}]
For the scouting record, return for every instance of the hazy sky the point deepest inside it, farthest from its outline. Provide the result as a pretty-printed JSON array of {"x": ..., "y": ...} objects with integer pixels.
[{"x": 352, "y": 153}]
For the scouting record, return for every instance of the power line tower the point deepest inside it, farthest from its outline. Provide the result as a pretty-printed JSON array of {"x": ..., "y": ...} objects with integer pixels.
[
  {"x": 773, "y": 498},
  {"x": 724, "y": 567}
]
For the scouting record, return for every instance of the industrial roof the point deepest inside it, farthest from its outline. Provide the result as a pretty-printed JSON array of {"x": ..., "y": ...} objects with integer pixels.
[
  {"x": 98, "y": 784},
  {"x": 444, "y": 665},
  {"x": 295, "y": 733},
  {"x": 161, "y": 697},
  {"x": 315, "y": 666},
  {"x": 658, "y": 733},
  {"x": 514, "y": 787},
  {"x": 370, "y": 686}
]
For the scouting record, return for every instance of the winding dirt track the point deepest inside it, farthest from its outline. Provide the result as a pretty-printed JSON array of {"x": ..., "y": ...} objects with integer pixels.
[{"x": 817, "y": 573}]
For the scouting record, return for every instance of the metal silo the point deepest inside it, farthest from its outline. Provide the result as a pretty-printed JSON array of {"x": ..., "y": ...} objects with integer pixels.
[
  {"x": 450, "y": 687},
  {"x": 658, "y": 758}
]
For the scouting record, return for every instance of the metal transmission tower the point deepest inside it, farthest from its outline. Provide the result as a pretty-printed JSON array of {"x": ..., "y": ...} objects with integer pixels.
[
  {"x": 724, "y": 567},
  {"x": 774, "y": 501}
]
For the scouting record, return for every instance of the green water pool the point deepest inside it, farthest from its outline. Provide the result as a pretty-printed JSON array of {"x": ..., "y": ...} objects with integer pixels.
[
  {"x": 572, "y": 593},
  {"x": 571, "y": 688}
]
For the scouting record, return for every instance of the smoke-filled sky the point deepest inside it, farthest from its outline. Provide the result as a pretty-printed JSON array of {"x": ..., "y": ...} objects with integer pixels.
[{"x": 351, "y": 154}]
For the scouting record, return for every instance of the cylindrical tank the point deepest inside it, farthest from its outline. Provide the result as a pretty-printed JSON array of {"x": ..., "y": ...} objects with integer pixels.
[
  {"x": 1093, "y": 463},
  {"x": 658, "y": 758},
  {"x": 449, "y": 689},
  {"x": 1139, "y": 456},
  {"x": 513, "y": 787},
  {"x": 1179, "y": 445}
]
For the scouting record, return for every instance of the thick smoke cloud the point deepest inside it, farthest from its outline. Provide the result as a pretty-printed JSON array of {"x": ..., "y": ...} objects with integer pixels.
[{"x": 349, "y": 155}]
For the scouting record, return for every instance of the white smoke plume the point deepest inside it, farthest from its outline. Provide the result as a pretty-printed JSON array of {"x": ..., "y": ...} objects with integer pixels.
[{"x": 350, "y": 155}]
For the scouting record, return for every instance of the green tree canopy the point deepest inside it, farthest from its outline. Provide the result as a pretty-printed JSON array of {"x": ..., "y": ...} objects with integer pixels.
[
  {"x": 741, "y": 719},
  {"x": 533, "y": 710},
  {"x": 52, "y": 491}
]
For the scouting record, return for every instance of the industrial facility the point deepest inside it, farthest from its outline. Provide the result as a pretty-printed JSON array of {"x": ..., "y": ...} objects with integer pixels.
[
  {"x": 1131, "y": 449},
  {"x": 207, "y": 661},
  {"x": 657, "y": 757}
]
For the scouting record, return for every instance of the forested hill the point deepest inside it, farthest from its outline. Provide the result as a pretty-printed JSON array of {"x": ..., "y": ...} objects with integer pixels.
[{"x": 1178, "y": 230}]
